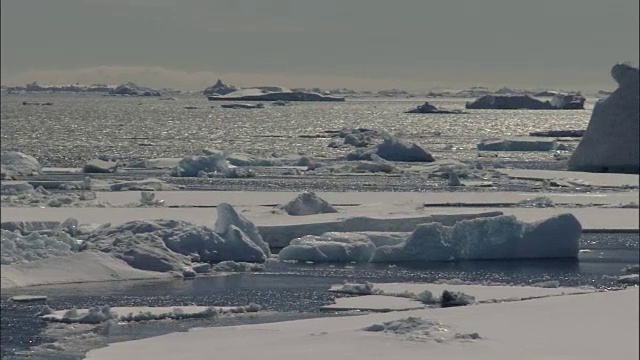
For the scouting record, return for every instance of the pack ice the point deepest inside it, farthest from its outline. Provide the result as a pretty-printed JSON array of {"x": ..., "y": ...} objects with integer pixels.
[{"x": 483, "y": 238}]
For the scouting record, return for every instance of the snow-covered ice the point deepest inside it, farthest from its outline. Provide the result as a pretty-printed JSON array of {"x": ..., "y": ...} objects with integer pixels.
[{"x": 577, "y": 326}]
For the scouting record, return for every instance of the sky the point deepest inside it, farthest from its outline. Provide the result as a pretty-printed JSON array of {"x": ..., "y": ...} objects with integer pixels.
[{"x": 358, "y": 44}]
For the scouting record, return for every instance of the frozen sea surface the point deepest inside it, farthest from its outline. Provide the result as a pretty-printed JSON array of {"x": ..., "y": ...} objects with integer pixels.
[{"x": 299, "y": 290}]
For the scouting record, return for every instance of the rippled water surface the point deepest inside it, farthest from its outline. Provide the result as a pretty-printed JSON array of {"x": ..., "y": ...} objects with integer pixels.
[{"x": 78, "y": 127}]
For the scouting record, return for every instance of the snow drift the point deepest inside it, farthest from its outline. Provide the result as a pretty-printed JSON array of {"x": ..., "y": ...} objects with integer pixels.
[{"x": 610, "y": 143}]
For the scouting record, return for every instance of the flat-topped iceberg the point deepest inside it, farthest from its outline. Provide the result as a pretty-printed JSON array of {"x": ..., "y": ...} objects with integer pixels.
[
  {"x": 610, "y": 143},
  {"x": 133, "y": 89},
  {"x": 515, "y": 102},
  {"x": 265, "y": 94},
  {"x": 483, "y": 238}
]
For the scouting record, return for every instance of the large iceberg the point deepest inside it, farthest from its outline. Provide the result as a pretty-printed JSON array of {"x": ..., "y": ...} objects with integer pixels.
[
  {"x": 483, "y": 238},
  {"x": 610, "y": 143},
  {"x": 513, "y": 102}
]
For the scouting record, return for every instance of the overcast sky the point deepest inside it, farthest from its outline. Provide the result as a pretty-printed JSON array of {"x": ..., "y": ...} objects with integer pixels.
[{"x": 362, "y": 44}]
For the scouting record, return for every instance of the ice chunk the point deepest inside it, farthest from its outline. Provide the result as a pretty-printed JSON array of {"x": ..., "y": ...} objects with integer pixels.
[
  {"x": 191, "y": 166},
  {"x": 169, "y": 245},
  {"x": 455, "y": 298},
  {"x": 28, "y": 298},
  {"x": 100, "y": 314},
  {"x": 355, "y": 289},
  {"x": 394, "y": 149},
  {"x": 631, "y": 279},
  {"x": 16, "y": 188},
  {"x": 428, "y": 108},
  {"x": 500, "y": 237},
  {"x": 17, "y": 248},
  {"x": 558, "y": 133},
  {"x": 16, "y": 163},
  {"x": 237, "y": 266},
  {"x": 149, "y": 184},
  {"x": 228, "y": 216},
  {"x": 610, "y": 143},
  {"x": 518, "y": 144},
  {"x": 327, "y": 248},
  {"x": 100, "y": 166},
  {"x": 308, "y": 203}
]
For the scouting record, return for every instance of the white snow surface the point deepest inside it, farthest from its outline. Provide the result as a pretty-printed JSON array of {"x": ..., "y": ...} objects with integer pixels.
[
  {"x": 591, "y": 326},
  {"x": 482, "y": 238},
  {"x": 610, "y": 143},
  {"x": 85, "y": 266}
]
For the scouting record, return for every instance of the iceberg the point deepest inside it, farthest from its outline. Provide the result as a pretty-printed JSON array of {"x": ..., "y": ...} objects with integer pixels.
[
  {"x": 428, "y": 108},
  {"x": 483, "y": 238},
  {"x": 273, "y": 94},
  {"x": 219, "y": 88},
  {"x": 342, "y": 248},
  {"x": 393, "y": 149},
  {"x": 610, "y": 143},
  {"x": 132, "y": 89},
  {"x": 500, "y": 237},
  {"x": 514, "y": 102}
]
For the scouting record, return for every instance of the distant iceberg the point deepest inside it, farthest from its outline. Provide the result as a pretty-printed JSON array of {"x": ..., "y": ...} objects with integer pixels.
[
  {"x": 610, "y": 143},
  {"x": 428, "y": 108},
  {"x": 515, "y": 102},
  {"x": 219, "y": 88},
  {"x": 132, "y": 89},
  {"x": 273, "y": 94}
]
